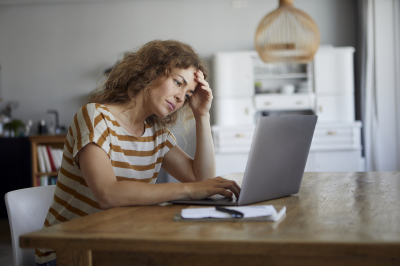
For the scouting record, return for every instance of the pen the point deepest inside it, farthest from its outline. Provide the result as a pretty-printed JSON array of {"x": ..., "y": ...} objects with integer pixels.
[{"x": 233, "y": 213}]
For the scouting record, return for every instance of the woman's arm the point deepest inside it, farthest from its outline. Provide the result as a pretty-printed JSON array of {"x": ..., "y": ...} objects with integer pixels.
[
  {"x": 202, "y": 167},
  {"x": 100, "y": 177},
  {"x": 204, "y": 159},
  {"x": 185, "y": 169}
]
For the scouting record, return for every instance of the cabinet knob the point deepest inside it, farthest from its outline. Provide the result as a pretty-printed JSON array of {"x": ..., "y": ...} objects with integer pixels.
[
  {"x": 299, "y": 102},
  {"x": 246, "y": 111},
  {"x": 240, "y": 135},
  {"x": 331, "y": 133},
  {"x": 267, "y": 103},
  {"x": 320, "y": 108}
]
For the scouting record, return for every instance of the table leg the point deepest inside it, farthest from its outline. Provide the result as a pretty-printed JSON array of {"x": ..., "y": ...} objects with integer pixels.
[{"x": 74, "y": 257}]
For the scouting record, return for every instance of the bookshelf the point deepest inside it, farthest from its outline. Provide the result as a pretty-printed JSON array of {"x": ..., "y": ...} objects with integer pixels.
[{"x": 55, "y": 141}]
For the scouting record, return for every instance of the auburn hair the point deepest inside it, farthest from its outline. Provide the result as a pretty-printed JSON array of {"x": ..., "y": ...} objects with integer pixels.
[{"x": 146, "y": 68}]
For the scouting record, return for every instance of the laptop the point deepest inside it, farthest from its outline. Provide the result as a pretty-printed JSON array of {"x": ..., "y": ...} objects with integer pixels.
[{"x": 276, "y": 162}]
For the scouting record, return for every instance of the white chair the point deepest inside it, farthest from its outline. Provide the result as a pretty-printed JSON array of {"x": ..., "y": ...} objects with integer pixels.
[{"x": 27, "y": 209}]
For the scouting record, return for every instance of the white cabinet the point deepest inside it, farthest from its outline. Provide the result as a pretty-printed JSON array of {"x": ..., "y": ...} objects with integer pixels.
[
  {"x": 232, "y": 139},
  {"x": 337, "y": 136},
  {"x": 334, "y": 71},
  {"x": 234, "y": 111},
  {"x": 335, "y": 147},
  {"x": 233, "y": 75},
  {"x": 335, "y": 108},
  {"x": 233, "y": 89},
  {"x": 335, "y": 161},
  {"x": 243, "y": 85},
  {"x": 230, "y": 163},
  {"x": 244, "y": 88},
  {"x": 284, "y": 102},
  {"x": 334, "y": 84}
]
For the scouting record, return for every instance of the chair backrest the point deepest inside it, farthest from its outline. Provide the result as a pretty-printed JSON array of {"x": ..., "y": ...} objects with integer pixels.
[{"x": 27, "y": 209}]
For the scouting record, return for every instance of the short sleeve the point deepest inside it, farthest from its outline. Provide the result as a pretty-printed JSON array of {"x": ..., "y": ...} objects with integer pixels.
[
  {"x": 89, "y": 126},
  {"x": 170, "y": 140}
]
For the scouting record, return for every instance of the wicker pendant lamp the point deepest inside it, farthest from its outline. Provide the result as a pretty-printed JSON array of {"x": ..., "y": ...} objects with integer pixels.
[{"x": 287, "y": 35}]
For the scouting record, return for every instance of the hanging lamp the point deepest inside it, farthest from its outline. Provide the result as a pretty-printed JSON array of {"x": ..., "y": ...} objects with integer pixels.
[{"x": 287, "y": 35}]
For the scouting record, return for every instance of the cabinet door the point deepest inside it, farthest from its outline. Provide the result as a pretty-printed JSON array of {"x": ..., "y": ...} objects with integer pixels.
[
  {"x": 230, "y": 163},
  {"x": 338, "y": 108},
  {"x": 333, "y": 71},
  {"x": 233, "y": 75},
  {"x": 234, "y": 112}
]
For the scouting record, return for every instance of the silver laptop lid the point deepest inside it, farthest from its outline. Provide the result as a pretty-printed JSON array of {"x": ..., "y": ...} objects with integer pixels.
[{"x": 277, "y": 157}]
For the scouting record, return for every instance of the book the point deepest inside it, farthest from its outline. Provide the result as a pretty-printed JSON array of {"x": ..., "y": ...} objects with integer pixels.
[
  {"x": 61, "y": 155},
  {"x": 42, "y": 167},
  {"x": 38, "y": 181},
  {"x": 56, "y": 159},
  {"x": 46, "y": 158},
  {"x": 53, "y": 180},
  {"x": 44, "y": 180},
  {"x": 51, "y": 160}
]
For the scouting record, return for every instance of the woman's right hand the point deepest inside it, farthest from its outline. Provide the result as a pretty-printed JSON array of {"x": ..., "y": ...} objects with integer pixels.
[{"x": 218, "y": 185}]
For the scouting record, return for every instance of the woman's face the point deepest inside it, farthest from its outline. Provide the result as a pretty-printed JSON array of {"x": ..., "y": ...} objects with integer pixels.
[{"x": 171, "y": 94}]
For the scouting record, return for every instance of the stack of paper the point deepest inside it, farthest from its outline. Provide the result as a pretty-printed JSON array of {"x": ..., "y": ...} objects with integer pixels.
[{"x": 263, "y": 212}]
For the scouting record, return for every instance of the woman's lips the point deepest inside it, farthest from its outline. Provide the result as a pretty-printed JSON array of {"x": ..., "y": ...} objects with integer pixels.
[{"x": 171, "y": 106}]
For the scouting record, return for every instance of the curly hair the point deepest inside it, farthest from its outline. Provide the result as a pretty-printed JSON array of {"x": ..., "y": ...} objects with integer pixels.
[{"x": 147, "y": 68}]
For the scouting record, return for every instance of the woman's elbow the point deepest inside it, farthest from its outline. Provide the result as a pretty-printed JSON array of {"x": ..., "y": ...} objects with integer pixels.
[
  {"x": 104, "y": 205},
  {"x": 104, "y": 201}
]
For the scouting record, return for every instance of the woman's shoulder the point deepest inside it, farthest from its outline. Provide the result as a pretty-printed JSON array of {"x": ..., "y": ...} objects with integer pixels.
[
  {"x": 92, "y": 109},
  {"x": 94, "y": 106}
]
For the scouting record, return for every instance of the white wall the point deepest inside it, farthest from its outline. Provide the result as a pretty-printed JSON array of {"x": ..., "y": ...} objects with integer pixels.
[{"x": 52, "y": 54}]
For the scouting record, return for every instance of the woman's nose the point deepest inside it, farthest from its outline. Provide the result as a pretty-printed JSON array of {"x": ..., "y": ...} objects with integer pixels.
[{"x": 179, "y": 97}]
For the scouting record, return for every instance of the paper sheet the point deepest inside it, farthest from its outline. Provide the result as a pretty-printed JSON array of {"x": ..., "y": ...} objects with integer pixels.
[{"x": 248, "y": 211}]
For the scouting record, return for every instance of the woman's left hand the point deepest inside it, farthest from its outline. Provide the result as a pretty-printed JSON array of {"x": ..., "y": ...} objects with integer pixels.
[{"x": 200, "y": 101}]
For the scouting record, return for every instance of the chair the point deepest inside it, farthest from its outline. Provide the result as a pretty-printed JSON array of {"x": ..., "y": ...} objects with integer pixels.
[{"x": 27, "y": 209}]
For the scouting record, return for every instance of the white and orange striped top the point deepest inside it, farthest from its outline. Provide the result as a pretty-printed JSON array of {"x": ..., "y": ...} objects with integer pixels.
[{"x": 132, "y": 158}]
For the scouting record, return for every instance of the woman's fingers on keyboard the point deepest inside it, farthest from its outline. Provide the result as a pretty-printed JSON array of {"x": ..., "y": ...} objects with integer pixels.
[
  {"x": 218, "y": 185},
  {"x": 224, "y": 192},
  {"x": 229, "y": 184}
]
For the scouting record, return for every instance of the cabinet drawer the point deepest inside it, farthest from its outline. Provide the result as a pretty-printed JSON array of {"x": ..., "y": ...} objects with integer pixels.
[
  {"x": 231, "y": 140},
  {"x": 336, "y": 137},
  {"x": 339, "y": 108},
  {"x": 335, "y": 161},
  {"x": 235, "y": 138},
  {"x": 284, "y": 102}
]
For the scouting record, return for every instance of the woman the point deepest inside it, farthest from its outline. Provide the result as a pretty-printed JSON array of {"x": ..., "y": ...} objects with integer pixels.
[{"x": 118, "y": 142}]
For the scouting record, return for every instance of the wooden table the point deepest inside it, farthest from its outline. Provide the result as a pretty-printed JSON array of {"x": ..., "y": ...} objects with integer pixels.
[{"x": 335, "y": 219}]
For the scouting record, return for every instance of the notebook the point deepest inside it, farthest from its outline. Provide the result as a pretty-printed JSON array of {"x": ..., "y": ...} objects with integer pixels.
[{"x": 276, "y": 161}]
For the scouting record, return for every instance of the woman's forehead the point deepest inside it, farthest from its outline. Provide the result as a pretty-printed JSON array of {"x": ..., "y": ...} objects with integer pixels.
[
  {"x": 187, "y": 76},
  {"x": 189, "y": 72}
]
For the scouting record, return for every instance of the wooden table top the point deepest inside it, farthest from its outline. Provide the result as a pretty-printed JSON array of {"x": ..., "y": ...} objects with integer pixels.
[{"x": 332, "y": 211}]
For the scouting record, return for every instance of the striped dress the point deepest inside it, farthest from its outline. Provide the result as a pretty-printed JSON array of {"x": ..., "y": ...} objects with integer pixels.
[{"x": 135, "y": 159}]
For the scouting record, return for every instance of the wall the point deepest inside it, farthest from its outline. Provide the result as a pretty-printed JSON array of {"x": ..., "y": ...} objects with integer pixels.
[{"x": 53, "y": 53}]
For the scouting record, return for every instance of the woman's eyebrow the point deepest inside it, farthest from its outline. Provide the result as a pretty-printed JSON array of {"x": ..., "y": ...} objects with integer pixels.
[{"x": 184, "y": 80}]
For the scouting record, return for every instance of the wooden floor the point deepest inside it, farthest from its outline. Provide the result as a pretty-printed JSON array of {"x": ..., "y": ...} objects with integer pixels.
[{"x": 6, "y": 257}]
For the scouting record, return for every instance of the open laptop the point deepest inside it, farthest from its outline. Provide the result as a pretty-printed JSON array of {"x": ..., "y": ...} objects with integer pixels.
[{"x": 276, "y": 162}]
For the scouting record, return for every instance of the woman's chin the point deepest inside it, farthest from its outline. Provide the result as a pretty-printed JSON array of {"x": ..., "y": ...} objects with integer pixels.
[{"x": 163, "y": 115}]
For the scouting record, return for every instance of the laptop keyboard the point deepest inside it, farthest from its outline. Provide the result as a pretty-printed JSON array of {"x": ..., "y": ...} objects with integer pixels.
[{"x": 221, "y": 198}]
